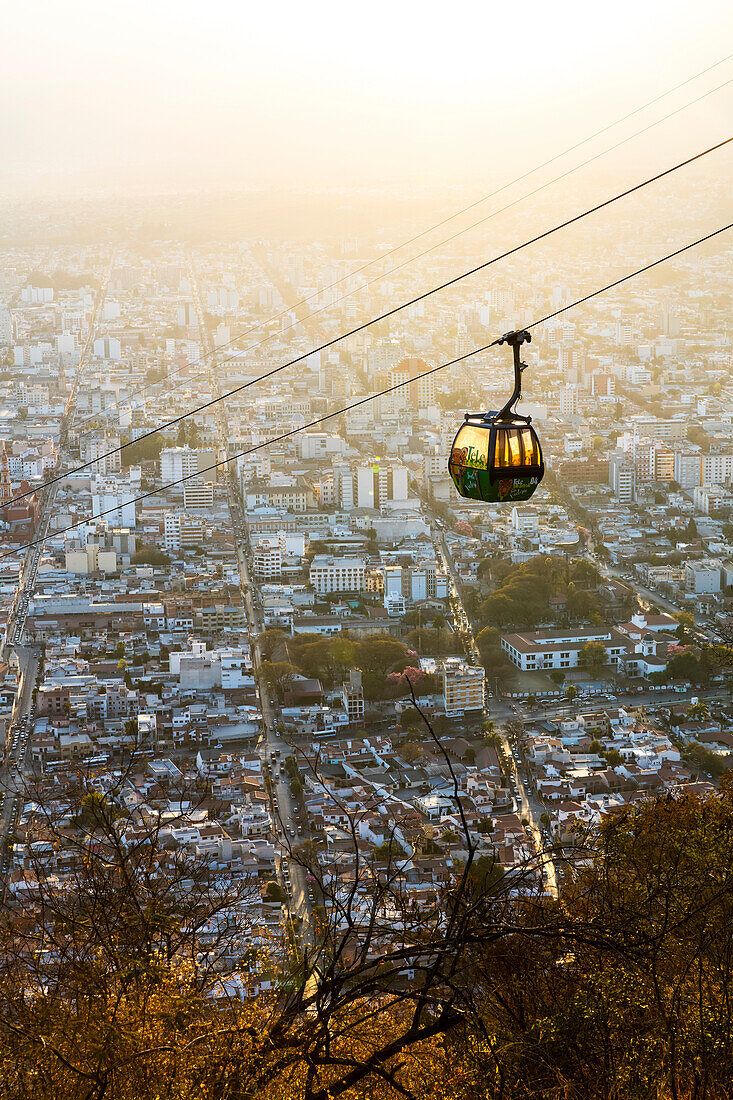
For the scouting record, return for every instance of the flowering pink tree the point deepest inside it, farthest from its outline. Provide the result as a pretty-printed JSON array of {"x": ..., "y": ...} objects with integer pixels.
[{"x": 399, "y": 682}]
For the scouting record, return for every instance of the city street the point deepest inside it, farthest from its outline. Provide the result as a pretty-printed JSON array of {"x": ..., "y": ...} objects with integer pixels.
[
  {"x": 272, "y": 748},
  {"x": 497, "y": 709}
]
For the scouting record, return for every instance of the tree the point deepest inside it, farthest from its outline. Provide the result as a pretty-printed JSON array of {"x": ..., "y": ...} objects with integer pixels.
[
  {"x": 487, "y": 989},
  {"x": 571, "y": 692},
  {"x": 274, "y": 892},
  {"x": 582, "y": 605},
  {"x": 143, "y": 450},
  {"x": 514, "y": 730},
  {"x": 699, "y": 712},
  {"x": 278, "y": 675},
  {"x": 686, "y": 626},
  {"x": 557, "y": 677},
  {"x": 593, "y": 657},
  {"x": 150, "y": 555}
]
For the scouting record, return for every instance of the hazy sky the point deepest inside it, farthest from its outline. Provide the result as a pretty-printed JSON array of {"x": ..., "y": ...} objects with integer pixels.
[{"x": 162, "y": 94}]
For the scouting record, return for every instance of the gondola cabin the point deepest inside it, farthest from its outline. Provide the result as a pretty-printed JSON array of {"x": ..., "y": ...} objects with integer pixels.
[
  {"x": 496, "y": 460},
  {"x": 497, "y": 456}
]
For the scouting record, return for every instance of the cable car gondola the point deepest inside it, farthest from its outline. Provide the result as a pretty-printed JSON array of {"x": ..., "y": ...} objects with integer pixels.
[{"x": 496, "y": 456}]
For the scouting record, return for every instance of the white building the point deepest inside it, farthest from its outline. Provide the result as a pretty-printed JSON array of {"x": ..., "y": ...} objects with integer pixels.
[
  {"x": 182, "y": 531},
  {"x": 267, "y": 559},
  {"x": 337, "y": 574},
  {"x": 376, "y": 485},
  {"x": 711, "y": 498},
  {"x": 702, "y": 577},
  {"x": 115, "y": 503},
  {"x": 177, "y": 463},
  {"x": 91, "y": 559},
  {"x": 622, "y": 478},
  {"x": 568, "y": 398},
  {"x": 546, "y": 649},
  {"x": 95, "y": 446},
  {"x": 525, "y": 521},
  {"x": 108, "y": 347},
  {"x": 320, "y": 445}
]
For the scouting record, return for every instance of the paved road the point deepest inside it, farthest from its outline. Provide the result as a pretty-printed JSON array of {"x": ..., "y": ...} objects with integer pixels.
[
  {"x": 273, "y": 749},
  {"x": 530, "y": 808},
  {"x": 11, "y": 774}
]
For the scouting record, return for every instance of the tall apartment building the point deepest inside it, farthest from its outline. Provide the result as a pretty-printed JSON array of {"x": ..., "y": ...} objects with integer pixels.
[
  {"x": 337, "y": 574},
  {"x": 715, "y": 469},
  {"x": 108, "y": 347},
  {"x": 267, "y": 559},
  {"x": 687, "y": 469},
  {"x": 654, "y": 462},
  {"x": 377, "y": 484},
  {"x": 463, "y": 687},
  {"x": 622, "y": 477},
  {"x": 182, "y": 531},
  {"x": 692, "y": 468},
  {"x": 419, "y": 392},
  {"x": 178, "y": 462},
  {"x": 413, "y": 583},
  {"x": 94, "y": 446},
  {"x": 6, "y": 327},
  {"x": 568, "y": 398},
  {"x": 353, "y": 696},
  {"x": 703, "y": 577},
  {"x": 198, "y": 494}
]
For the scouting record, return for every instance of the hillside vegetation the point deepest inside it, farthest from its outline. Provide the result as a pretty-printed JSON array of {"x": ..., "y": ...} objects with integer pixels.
[{"x": 620, "y": 990}]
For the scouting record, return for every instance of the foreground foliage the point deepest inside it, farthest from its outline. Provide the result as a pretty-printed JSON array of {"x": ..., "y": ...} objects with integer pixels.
[{"x": 619, "y": 989}]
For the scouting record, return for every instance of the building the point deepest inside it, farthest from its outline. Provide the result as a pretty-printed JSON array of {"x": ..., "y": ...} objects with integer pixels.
[
  {"x": 321, "y": 445},
  {"x": 568, "y": 399},
  {"x": 546, "y": 649},
  {"x": 91, "y": 559},
  {"x": 622, "y": 477},
  {"x": 376, "y": 485},
  {"x": 177, "y": 463},
  {"x": 288, "y": 498},
  {"x": 525, "y": 521},
  {"x": 182, "y": 531},
  {"x": 652, "y": 427},
  {"x": 267, "y": 559},
  {"x": 107, "y": 347},
  {"x": 419, "y": 393},
  {"x": 716, "y": 469},
  {"x": 463, "y": 687},
  {"x": 712, "y": 498},
  {"x": 702, "y": 577},
  {"x": 413, "y": 583},
  {"x": 96, "y": 448},
  {"x": 337, "y": 574},
  {"x": 353, "y": 696},
  {"x": 198, "y": 494}
]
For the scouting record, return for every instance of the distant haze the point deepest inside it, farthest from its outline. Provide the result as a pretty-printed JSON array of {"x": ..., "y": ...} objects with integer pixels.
[{"x": 161, "y": 95}]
